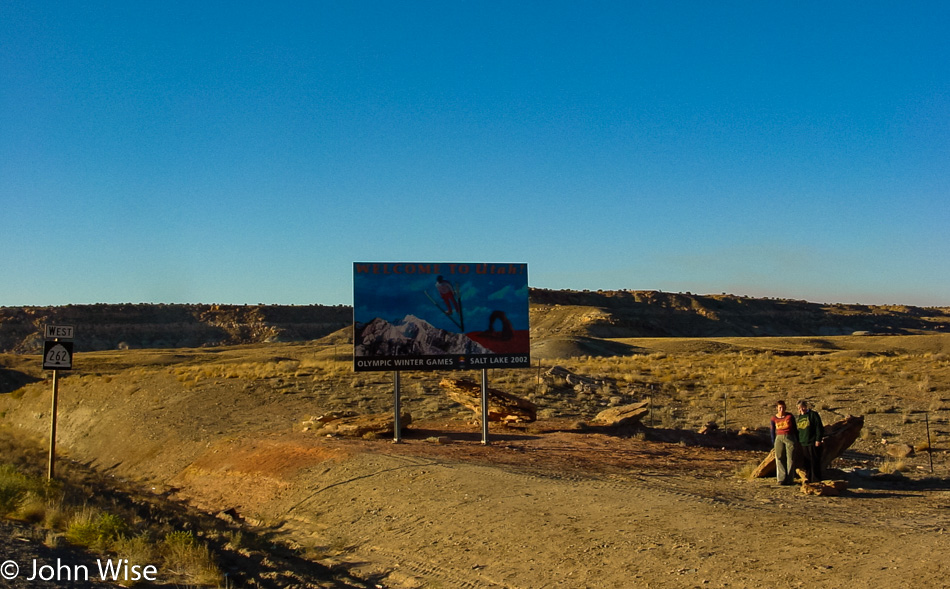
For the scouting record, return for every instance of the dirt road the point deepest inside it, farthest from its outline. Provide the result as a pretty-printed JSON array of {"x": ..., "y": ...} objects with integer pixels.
[{"x": 517, "y": 514}]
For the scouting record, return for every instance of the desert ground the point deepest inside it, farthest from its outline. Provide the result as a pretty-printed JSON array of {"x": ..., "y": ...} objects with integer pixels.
[{"x": 559, "y": 502}]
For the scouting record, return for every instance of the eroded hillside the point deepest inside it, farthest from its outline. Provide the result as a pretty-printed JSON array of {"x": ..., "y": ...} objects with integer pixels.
[
  {"x": 110, "y": 327},
  {"x": 575, "y": 314},
  {"x": 625, "y": 314}
]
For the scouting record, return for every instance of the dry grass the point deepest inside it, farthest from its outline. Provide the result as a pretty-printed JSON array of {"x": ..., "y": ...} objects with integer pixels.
[
  {"x": 901, "y": 384},
  {"x": 186, "y": 557},
  {"x": 894, "y": 466},
  {"x": 30, "y": 498},
  {"x": 692, "y": 388}
]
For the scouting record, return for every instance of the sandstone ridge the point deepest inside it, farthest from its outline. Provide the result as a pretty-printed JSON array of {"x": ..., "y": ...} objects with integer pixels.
[
  {"x": 594, "y": 315},
  {"x": 120, "y": 326}
]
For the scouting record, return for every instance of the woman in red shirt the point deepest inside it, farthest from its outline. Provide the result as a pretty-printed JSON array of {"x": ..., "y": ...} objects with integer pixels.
[{"x": 784, "y": 431}]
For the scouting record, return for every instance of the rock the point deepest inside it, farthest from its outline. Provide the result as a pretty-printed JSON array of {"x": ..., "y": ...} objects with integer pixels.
[
  {"x": 573, "y": 378},
  {"x": 709, "y": 428},
  {"x": 502, "y": 406},
  {"x": 332, "y": 416},
  {"x": 319, "y": 421},
  {"x": 623, "y": 415},
  {"x": 824, "y": 488},
  {"x": 899, "y": 451},
  {"x": 362, "y": 425}
]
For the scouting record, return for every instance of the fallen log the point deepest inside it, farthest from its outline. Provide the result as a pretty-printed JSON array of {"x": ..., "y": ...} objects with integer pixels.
[
  {"x": 502, "y": 406},
  {"x": 624, "y": 415},
  {"x": 579, "y": 381},
  {"x": 838, "y": 437},
  {"x": 572, "y": 378},
  {"x": 359, "y": 426}
]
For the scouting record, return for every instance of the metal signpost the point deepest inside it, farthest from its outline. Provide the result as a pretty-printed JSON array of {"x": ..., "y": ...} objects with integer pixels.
[
  {"x": 397, "y": 424},
  {"x": 57, "y": 355}
]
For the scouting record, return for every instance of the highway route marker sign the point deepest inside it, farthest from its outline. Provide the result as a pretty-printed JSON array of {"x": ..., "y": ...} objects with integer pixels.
[{"x": 57, "y": 355}]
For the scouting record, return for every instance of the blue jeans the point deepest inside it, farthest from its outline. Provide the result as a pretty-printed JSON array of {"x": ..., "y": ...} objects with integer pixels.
[{"x": 784, "y": 451}]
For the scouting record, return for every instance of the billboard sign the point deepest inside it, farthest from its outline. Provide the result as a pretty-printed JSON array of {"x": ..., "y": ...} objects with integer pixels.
[{"x": 440, "y": 316}]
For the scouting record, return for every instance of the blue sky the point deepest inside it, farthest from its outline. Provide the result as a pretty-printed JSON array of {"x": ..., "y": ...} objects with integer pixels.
[{"x": 235, "y": 152}]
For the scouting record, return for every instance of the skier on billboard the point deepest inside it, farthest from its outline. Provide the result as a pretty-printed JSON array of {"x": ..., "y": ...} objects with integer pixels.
[
  {"x": 452, "y": 300},
  {"x": 448, "y": 294}
]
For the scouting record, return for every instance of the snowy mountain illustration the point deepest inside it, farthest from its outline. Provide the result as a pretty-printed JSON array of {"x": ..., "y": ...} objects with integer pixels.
[{"x": 411, "y": 337}]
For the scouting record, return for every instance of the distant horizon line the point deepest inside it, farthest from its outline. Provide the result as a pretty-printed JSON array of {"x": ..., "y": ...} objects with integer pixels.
[{"x": 531, "y": 288}]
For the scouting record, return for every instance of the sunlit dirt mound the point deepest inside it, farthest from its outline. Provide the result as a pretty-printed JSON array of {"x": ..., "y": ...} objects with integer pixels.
[{"x": 577, "y": 346}]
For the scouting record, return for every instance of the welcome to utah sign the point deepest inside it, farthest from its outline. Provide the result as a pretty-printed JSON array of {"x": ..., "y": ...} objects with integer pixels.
[{"x": 440, "y": 316}]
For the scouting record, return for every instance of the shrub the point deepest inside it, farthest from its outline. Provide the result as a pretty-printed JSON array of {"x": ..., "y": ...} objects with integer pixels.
[
  {"x": 32, "y": 508},
  {"x": 746, "y": 470},
  {"x": 13, "y": 488},
  {"x": 895, "y": 466},
  {"x": 140, "y": 548},
  {"x": 185, "y": 556},
  {"x": 93, "y": 529}
]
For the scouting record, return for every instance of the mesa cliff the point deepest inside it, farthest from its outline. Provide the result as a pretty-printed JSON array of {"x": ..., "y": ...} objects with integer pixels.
[
  {"x": 122, "y": 326},
  {"x": 626, "y": 313},
  {"x": 593, "y": 314}
]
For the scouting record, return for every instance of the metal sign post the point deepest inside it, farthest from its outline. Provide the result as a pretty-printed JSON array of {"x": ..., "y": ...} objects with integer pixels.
[
  {"x": 484, "y": 406},
  {"x": 51, "y": 468},
  {"x": 57, "y": 355},
  {"x": 397, "y": 426},
  {"x": 930, "y": 449}
]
